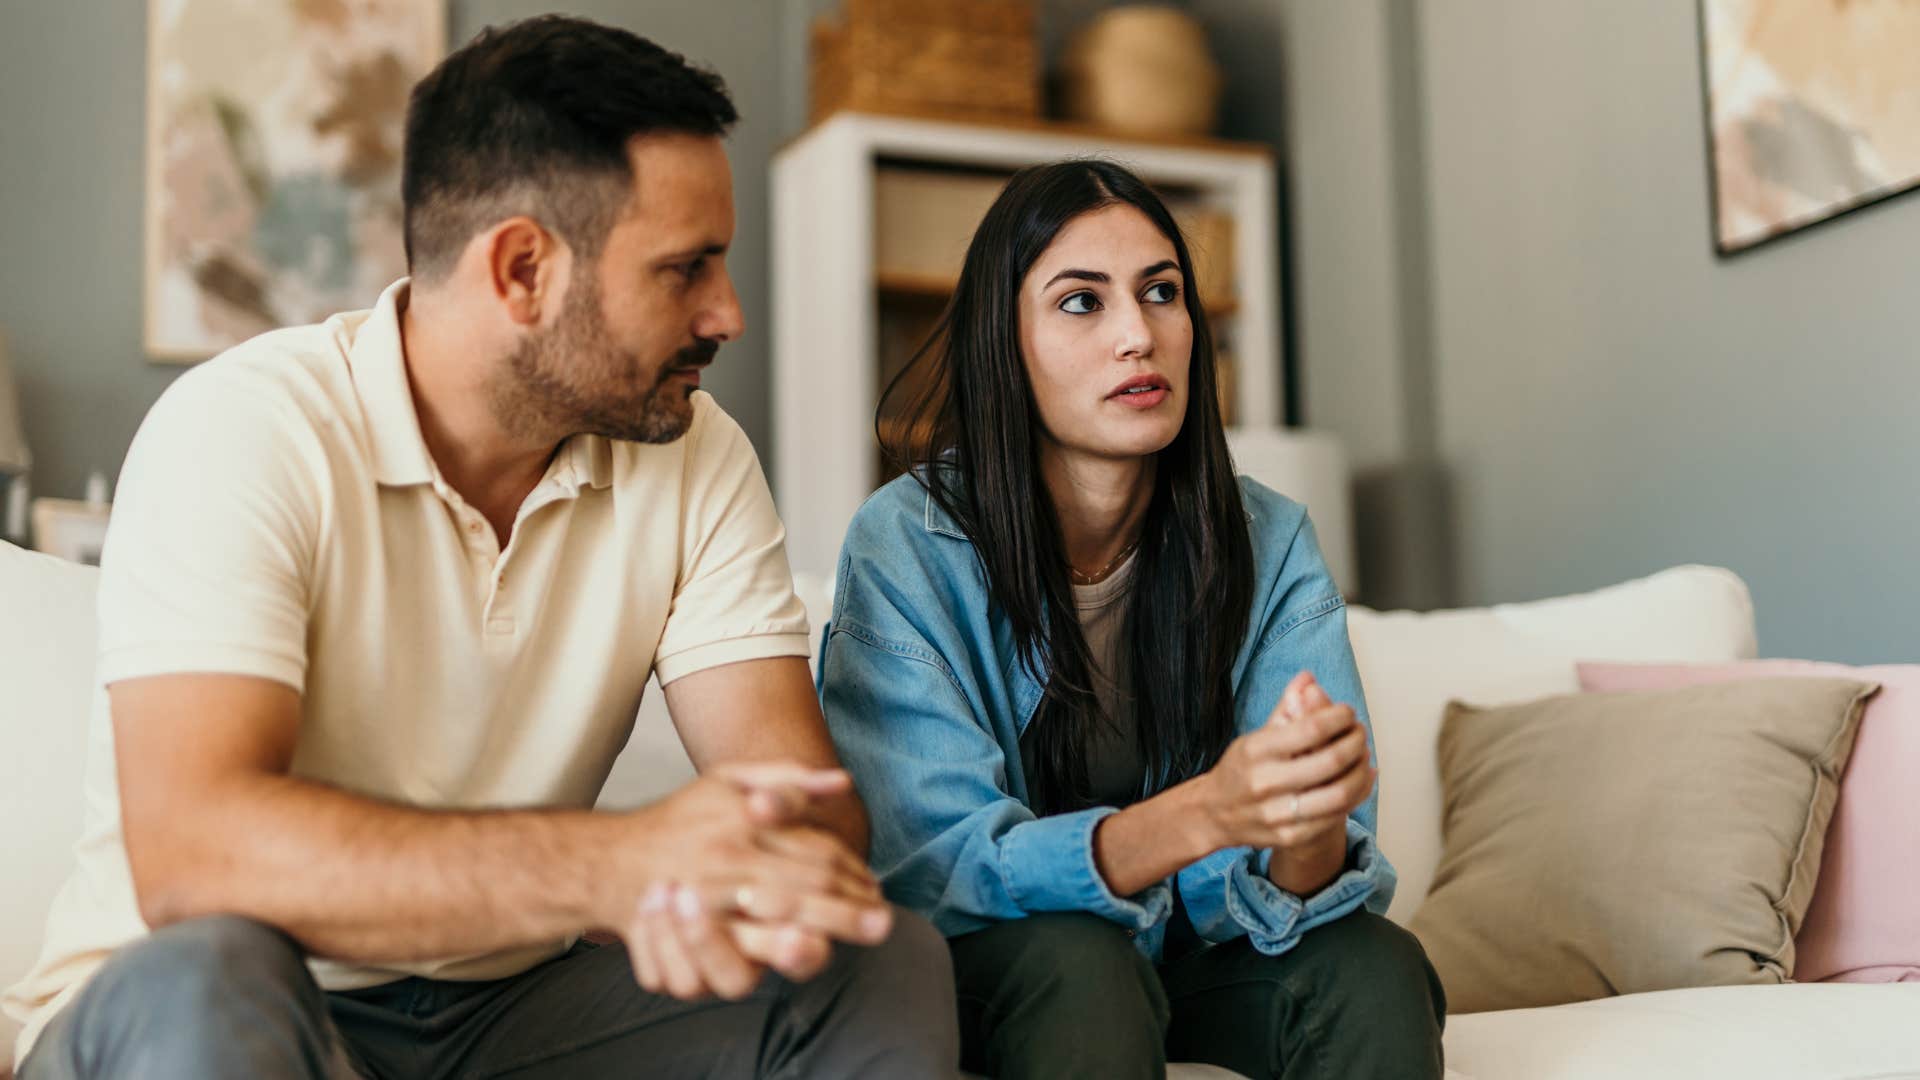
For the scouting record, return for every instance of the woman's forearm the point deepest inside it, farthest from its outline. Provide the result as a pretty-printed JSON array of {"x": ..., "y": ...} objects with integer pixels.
[
  {"x": 1154, "y": 839},
  {"x": 1307, "y": 868}
]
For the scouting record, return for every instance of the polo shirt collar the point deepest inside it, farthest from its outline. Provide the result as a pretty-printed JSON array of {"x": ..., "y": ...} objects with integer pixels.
[
  {"x": 589, "y": 462},
  {"x": 378, "y": 363}
]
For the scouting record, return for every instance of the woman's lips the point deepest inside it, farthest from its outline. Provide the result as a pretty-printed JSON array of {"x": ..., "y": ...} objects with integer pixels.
[{"x": 1141, "y": 399}]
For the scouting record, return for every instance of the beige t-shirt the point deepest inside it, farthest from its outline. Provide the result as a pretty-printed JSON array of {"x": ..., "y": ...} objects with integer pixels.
[
  {"x": 1115, "y": 769},
  {"x": 279, "y": 516}
]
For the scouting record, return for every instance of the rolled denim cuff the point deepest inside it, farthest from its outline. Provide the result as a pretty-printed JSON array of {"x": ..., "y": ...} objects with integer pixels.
[
  {"x": 1048, "y": 865},
  {"x": 1274, "y": 918}
]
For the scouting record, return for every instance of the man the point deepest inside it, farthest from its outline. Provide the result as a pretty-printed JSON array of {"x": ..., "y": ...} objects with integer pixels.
[{"x": 377, "y": 608}]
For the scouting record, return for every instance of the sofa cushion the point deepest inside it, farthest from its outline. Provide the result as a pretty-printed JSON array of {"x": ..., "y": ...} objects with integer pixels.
[
  {"x": 1601, "y": 844},
  {"x": 46, "y": 677},
  {"x": 1824, "y": 1031},
  {"x": 1864, "y": 925},
  {"x": 1413, "y": 664}
]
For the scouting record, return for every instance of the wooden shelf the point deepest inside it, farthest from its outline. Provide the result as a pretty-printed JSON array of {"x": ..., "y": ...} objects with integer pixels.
[
  {"x": 1059, "y": 128},
  {"x": 899, "y": 283}
]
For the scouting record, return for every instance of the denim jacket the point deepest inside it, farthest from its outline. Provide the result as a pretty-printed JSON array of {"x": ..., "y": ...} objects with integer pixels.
[{"x": 926, "y": 700}]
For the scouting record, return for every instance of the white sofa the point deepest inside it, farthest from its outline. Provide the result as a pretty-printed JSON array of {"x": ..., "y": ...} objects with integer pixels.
[{"x": 1412, "y": 664}]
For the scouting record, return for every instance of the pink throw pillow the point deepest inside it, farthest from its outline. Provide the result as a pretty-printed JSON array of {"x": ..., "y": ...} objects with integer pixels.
[{"x": 1864, "y": 924}]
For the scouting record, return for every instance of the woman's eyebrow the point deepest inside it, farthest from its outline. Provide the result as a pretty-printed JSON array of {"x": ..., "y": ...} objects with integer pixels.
[
  {"x": 1100, "y": 278},
  {"x": 1094, "y": 276}
]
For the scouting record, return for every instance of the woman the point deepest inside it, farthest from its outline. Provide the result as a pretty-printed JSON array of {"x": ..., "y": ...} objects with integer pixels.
[{"x": 1098, "y": 694}]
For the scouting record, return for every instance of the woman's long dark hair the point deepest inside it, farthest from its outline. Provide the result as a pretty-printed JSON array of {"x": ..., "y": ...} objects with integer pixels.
[{"x": 962, "y": 418}]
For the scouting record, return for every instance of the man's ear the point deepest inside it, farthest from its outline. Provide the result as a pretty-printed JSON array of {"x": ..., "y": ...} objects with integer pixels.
[{"x": 526, "y": 268}]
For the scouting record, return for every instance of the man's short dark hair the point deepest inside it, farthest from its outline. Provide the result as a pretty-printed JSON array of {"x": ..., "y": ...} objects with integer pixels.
[{"x": 534, "y": 117}]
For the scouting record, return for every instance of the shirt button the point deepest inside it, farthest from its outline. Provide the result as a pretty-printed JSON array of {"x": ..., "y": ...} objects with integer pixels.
[{"x": 473, "y": 526}]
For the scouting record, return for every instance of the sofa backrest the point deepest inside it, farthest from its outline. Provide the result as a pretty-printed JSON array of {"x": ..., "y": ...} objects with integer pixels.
[{"x": 46, "y": 679}]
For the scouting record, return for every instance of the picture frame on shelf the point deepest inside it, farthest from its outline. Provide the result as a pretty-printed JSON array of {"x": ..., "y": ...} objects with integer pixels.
[{"x": 70, "y": 529}]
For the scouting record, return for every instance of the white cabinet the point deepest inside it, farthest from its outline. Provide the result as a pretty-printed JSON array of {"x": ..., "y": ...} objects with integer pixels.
[{"x": 829, "y": 298}]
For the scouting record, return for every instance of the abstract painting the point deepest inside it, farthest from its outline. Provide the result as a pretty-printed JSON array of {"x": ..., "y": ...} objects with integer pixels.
[
  {"x": 1813, "y": 110},
  {"x": 274, "y": 131}
]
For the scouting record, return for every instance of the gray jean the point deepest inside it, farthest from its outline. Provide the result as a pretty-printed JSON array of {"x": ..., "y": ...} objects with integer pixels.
[{"x": 226, "y": 997}]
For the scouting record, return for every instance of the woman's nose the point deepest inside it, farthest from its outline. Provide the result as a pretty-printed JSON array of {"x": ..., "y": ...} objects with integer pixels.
[{"x": 1134, "y": 338}]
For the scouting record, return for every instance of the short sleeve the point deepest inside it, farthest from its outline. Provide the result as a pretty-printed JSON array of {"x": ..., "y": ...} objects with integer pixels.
[
  {"x": 733, "y": 598},
  {"x": 210, "y": 545}
]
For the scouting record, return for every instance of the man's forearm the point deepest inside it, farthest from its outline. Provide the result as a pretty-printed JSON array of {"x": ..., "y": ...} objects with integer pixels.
[
  {"x": 846, "y": 817},
  {"x": 358, "y": 880}
]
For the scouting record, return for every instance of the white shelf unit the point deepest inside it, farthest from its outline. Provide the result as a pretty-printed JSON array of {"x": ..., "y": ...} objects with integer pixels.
[{"x": 826, "y": 303}]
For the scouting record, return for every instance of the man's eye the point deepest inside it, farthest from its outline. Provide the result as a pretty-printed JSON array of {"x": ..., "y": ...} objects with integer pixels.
[
  {"x": 1080, "y": 303},
  {"x": 1162, "y": 292},
  {"x": 694, "y": 269}
]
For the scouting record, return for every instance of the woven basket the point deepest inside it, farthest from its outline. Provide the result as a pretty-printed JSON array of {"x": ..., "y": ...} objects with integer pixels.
[
  {"x": 1141, "y": 69},
  {"x": 974, "y": 59}
]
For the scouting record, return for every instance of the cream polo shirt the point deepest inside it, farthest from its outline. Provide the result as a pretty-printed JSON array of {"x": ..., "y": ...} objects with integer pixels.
[{"x": 279, "y": 516}]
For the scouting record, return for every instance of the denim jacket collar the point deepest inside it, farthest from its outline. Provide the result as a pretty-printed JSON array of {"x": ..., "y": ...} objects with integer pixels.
[{"x": 937, "y": 520}]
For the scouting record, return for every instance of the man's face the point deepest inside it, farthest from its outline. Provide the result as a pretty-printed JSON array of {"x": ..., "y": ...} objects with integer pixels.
[{"x": 639, "y": 323}]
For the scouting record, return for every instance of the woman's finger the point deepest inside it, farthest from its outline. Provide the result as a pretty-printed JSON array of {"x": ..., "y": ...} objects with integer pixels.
[
  {"x": 1311, "y": 770},
  {"x": 1288, "y": 708},
  {"x": 1342, "y": 795},
  {"x": 1303, "y": 735},
  {"x": 1314, "y": 696}
]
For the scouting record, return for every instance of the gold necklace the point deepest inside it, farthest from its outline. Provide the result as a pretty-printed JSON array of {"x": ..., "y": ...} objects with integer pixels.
[{"x": 1100, "y": 575}]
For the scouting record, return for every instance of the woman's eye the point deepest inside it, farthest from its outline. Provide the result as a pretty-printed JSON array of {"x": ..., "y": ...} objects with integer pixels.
[
  {"x": 1080, "y": 303},
  {"x": 1162, "y": 292}
]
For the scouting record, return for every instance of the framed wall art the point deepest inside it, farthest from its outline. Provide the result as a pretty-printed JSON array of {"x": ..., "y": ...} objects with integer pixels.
[
  {"x": 274, "y": 131},
  {"x": 1813, "y": 111}
]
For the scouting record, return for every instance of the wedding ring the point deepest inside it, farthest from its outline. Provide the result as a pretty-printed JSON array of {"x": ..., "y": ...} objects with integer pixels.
[{"x": 1293, "y": 806}]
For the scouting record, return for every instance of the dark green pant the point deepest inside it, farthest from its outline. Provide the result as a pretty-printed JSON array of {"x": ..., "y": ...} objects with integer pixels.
[{"x": 1067, "y": 995}]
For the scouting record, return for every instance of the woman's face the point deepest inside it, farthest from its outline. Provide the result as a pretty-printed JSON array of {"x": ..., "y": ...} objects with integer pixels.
[{"x": 1106, "y": 337}]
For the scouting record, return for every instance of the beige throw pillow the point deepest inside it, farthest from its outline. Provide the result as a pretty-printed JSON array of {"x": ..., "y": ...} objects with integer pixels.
[{"x": 1608, "y": 844}]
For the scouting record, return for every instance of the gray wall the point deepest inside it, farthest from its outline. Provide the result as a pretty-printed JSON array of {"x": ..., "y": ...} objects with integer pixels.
[
  {"x": 72, "y": 124},
  {"x": 72, "y": 127},
  {"x": 1607, "y": 397}
]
